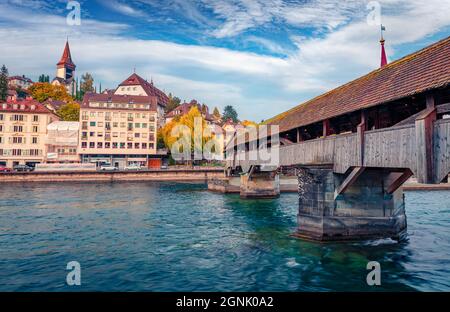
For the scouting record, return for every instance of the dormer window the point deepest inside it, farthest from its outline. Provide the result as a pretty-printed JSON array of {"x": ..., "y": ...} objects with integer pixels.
[{"x": 33, "y": 107}]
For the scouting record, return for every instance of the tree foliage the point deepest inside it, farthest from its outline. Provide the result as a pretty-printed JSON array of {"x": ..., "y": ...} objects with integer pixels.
[
  {"x": 3, "y": 83},
  {"x": 186, "y": 122},
  {"x": 174, "y": 102},
  {"x": 42, "y": 91},
  {"x": 230, "y": 113},
  {"x": 87, "y": 83},
  {"x": 216, "y": 113},
  {"x": 44, "y": 78},
  {"x": 248, "y": 123},
  {"x": 70, "y": 112}
]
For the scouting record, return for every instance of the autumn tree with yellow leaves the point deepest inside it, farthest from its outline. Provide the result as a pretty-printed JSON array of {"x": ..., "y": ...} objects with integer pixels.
[
  {"x": 189, "y": 131},
  {"x": 43, "y": 91}
]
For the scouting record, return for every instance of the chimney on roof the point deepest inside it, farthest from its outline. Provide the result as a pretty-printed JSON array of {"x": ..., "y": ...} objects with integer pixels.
[{"x": 383, "y": 51}]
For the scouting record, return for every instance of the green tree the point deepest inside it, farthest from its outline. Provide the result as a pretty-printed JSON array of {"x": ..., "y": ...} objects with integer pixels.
[
  {"x": 230, "y": 113},
  {"x": 87, "y": 83},
  {"x": 216, "y": 113},
  {"x": 21, "y": 93},
  {"x": 204, "y": 108},
  {"x": 173, "y": 103},
  {"x": 44, "y": 78},
  {"x": 3, "y": 83},
  {"x": 70, "y": 112}
]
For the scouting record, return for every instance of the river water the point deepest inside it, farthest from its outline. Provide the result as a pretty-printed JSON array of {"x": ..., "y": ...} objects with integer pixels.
[{"x": 180, "y": 237}]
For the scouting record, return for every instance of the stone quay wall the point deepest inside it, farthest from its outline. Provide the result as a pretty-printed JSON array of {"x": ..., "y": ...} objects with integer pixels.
[{"x": 182, "y": 175}]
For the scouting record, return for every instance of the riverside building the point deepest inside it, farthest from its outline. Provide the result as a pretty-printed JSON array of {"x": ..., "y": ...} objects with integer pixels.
[
  {"x": 23, "y": 130},
  {"x": 120, "y": 130}
]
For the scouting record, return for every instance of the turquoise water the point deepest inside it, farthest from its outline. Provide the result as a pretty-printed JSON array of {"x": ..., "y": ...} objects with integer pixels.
[{"x": 179, "y": 237}]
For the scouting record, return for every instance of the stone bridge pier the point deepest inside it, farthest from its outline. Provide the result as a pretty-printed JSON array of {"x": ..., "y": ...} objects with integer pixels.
[
  {"x": 260, "y": 184},
  {"x": 365, "y": 204}
]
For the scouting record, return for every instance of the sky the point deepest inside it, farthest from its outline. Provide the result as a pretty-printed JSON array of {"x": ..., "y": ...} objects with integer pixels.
[{"x": 261, "y": 56}]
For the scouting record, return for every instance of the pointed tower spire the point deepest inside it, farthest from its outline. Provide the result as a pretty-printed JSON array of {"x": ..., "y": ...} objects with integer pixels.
[
  {"x": 66, "y": 58},
  {"x": 383, "y": 51}
]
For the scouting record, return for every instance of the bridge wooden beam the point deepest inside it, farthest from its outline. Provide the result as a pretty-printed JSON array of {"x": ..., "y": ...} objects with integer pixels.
[
  {"x": 327, "y": 130},
  {"x": 430, "y": 99},
  {"x": 250, "y": 173},
  {"x": 348, "y": 181},
  {"x": 361, "y": 129},
  {"x": 424, "y": 142},
  {"x": 398, "y": 182},
  {"x": 299, "y": 136}
]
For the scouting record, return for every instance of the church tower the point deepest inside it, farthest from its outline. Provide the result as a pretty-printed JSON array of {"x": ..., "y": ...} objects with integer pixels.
[{"x": 65, "y": 71}]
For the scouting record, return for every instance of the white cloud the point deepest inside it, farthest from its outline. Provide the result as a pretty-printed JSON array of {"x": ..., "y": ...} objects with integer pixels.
[
  {"x": 122, "y": 8},
  {"x": 242, "y": 15},
  {"x": 259, "y": 86}
]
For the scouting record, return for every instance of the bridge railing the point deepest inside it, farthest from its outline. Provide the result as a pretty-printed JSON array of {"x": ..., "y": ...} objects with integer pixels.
[{"x": 396, "y": 147}]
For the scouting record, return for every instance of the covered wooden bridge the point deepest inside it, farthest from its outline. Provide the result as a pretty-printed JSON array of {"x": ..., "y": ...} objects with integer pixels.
[{"x": 357, "y": 144}]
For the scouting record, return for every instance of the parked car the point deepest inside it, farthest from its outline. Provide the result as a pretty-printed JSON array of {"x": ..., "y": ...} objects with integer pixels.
[
  {"x": 133, "y": 167},
  {"x": 164, "y": 167},
  {"x": 108, "y": 168},
  {"x": 4, "y": 169},
  {"x": 23, "y": 168}
]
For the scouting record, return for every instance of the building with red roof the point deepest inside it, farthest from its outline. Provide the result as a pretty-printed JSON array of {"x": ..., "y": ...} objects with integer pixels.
[
  {"x": 19, "y": 82},
  {"x": 137, "y": 86},
  {"x": 119, "y": 130},
  {"x": 23, "y": 130}
]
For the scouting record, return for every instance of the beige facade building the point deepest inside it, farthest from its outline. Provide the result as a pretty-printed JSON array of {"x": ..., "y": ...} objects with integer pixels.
[
  {"x": 120, "y": 127},
  {"x": 62, "y": 142},
  {"x": 19, "y": 82},
  {"x": 119, "y": 130},
  {"x": 138, "y": 86},
  {"x": 23, "y": 129}
]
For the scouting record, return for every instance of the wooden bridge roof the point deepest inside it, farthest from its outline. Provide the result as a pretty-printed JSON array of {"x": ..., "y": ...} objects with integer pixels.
[{"x": 421, "y": 71}]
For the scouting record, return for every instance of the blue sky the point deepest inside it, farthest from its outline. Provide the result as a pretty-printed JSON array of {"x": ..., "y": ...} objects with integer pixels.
[{"x": 261, "y": 56}]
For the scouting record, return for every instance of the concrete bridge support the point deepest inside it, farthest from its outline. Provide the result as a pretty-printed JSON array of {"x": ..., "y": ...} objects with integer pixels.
[
  {"x": 365, "y": 204},
  {"x": 260, "y": 184}
]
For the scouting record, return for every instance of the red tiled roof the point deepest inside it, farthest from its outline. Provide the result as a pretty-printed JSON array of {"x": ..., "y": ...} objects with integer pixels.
[
  {"x": 183, "y": 109},
  {"x": 119, "y": 99},
  {"x": 422, "y": 71},
  {"x": 66, "y": 58},
  {"x": 20, "y": 78},
  {"x": 25, "y": 106},
  {"x": 54, "y": 104},
  {"x": 149, "y": 88}
]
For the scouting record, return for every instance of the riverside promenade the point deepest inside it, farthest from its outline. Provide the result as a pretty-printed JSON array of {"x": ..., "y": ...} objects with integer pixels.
[{"x": 177, "y": 175}]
